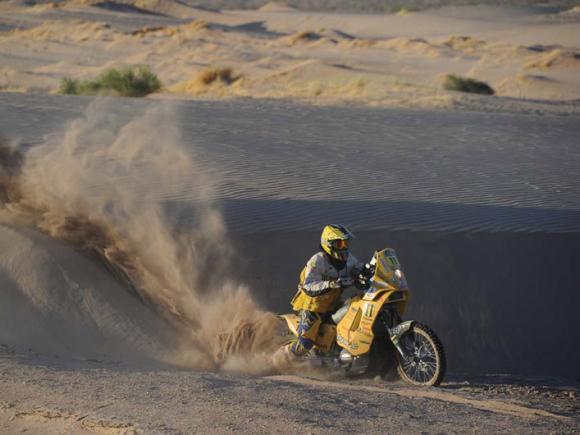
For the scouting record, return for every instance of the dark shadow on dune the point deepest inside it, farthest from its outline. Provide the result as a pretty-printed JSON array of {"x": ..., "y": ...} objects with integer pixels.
[
  {"x": 499, "y": 284},
  {"x": 344, "y": 34},
  {"x": 201, "y": 7},
  {"x": 5, "y": 27},
  {"x": 124, "y": 7},
  {"x": 501, "y": 302},
  {"x": 256, "y": 27}
]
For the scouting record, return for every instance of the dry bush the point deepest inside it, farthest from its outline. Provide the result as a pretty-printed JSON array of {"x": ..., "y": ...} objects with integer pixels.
[
  {"x": 145, "y": 30},
  {"x": 223, "y": 75},
  {"x": 196, "y": 25},
  {"x": 305, "y": 35},
  {"x": 464, "y": 84}
]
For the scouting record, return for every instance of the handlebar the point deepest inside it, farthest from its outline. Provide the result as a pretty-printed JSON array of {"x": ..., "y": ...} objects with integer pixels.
[{"x": 362, "y": 281}]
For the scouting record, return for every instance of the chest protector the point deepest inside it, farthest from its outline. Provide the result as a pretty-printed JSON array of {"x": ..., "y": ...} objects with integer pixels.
[{"x": 319, "y": 304}]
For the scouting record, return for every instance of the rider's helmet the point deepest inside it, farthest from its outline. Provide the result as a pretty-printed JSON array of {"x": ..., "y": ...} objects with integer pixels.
[{"x": 334, "y": 241}]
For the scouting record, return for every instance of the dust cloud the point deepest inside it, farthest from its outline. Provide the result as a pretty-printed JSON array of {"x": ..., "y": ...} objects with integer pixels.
[{"x": 100, "y": 185}]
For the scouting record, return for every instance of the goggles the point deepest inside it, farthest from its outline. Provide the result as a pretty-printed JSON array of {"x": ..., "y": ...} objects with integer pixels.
[{"x": 340, "y": 244}]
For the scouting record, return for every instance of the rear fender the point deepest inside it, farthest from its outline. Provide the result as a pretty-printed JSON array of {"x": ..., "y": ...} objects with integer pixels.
[{"x": 292, "y": 321}]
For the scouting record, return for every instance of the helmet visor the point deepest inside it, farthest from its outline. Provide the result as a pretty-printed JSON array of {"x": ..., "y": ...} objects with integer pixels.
[{"x": 340, "y": 244}]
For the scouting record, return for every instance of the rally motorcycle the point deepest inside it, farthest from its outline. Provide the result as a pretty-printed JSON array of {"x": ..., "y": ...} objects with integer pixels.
[{"x": 367, "y": 335}]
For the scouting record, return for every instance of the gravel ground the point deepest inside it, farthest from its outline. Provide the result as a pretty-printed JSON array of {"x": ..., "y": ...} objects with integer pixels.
[{"x": 46, "y": 394}]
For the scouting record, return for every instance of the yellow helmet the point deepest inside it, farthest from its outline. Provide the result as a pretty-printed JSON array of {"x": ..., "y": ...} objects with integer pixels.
[{"x": 334, "y": 241}]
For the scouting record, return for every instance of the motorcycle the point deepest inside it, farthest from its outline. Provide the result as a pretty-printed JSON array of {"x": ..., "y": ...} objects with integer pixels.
[{"x": 367, "y": 334}]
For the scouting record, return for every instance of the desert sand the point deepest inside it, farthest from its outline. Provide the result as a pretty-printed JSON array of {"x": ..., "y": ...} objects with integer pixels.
[
  {"x": 530, "y": 56},
  {"x": 146, "y": 243}
]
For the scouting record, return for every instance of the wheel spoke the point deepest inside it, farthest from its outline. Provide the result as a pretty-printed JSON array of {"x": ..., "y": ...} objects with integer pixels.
[
  {"x": 420, "y": 362},
  {"x": 424, "y": 376}
]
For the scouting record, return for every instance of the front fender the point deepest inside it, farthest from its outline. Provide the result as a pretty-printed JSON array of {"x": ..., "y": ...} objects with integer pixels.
[{"x": 396, "y": 332}]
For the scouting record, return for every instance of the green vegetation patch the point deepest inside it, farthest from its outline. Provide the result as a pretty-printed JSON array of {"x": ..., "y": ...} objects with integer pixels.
[
  {"x": 129, "y": 82},
  {"x": 463, "y": 84}
]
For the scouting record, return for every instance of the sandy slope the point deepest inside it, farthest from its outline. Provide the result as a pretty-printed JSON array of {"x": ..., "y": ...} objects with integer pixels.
[
  {"x": 486, "y": 210},
  {"x": 466, "y": 170},
  {"x": 378, "y": 60},
  {"x": 56, "y": 301}
]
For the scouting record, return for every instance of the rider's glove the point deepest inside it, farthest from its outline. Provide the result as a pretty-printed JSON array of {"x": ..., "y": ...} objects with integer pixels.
[{"x": 334, "y": 284}]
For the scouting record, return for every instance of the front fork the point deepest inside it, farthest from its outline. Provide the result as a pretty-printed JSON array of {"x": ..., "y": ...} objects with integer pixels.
[{"x": 395, "y": 333}]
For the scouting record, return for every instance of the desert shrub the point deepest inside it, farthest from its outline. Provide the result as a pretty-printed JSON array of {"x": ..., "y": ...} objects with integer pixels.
[
  {"x": 225, "y": 75},
  {"x": 129, "y": 82},
  {"x": 463, "y": 84},
  {"x": 304, "y": 36},
  {"x": 68, "y": 86},
  {"x": 402, "y": 10}
]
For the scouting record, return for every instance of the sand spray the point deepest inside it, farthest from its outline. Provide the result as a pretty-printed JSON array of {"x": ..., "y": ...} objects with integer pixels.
[{"x": 100, "y": 184}]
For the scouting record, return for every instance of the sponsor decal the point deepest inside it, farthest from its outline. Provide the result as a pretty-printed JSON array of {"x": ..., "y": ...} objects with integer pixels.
[
  {"x": 346, "y": 343},
  {"x": 342, "y": 340}
]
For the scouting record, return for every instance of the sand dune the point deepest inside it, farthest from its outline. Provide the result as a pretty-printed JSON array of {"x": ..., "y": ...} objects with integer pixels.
[
  {"x": 295, "y": 142},
  {"x": 138, "y": 236},
  {"x": 107, "y": 205},
  {"x": 375, "y": 60},
  {"x": 487, "y": 192},
  {"x": 57, "y": 301},
  {"x": 76, "y": 31},
  {"x": 276, "y": 7},
  {"x": 556, "y": 58}
]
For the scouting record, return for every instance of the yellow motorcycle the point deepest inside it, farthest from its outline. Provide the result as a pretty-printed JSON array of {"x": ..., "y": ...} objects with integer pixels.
[{"x": 367, "y": 334}]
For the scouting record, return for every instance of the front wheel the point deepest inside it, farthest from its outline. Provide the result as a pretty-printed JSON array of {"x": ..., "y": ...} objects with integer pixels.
[{"x": 424, "y": 362}]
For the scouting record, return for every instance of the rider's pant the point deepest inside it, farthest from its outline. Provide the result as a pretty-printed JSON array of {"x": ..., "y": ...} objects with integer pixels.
[{"x": 307, "y": 332}]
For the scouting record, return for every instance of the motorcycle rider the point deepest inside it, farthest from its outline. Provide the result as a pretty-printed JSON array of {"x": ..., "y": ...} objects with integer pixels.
[{"x": 325, "y": 276}]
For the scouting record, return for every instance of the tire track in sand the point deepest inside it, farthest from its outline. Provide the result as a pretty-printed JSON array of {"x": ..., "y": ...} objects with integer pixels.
[{"x": 496, "y": 406}]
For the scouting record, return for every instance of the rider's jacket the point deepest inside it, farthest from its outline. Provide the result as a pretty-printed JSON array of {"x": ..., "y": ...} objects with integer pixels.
[{"x": 314, "y": 292}]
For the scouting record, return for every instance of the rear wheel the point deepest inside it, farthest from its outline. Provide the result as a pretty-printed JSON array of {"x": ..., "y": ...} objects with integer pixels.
[{"x": 424, "y": 363}]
